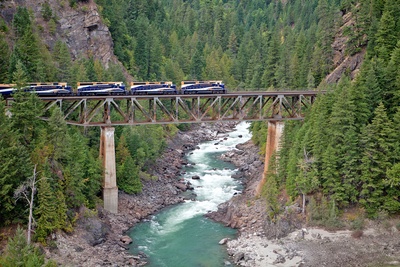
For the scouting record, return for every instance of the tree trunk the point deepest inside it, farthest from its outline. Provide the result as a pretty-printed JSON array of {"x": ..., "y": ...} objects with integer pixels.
[{"x": 31, "y": 206}]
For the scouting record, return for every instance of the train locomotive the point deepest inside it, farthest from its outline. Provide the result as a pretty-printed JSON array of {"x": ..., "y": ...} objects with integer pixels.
[
  {"x": 150, "y": 88},
  {"x": 41, "y": 89},
  {"x": 117, "y": 88},
  {"x": 100, "y": 88},
  {"x": 202, "y": 87}
]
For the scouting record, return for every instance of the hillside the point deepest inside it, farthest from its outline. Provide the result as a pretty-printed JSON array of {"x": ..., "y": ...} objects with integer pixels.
[{"x": 62, "y": 37}]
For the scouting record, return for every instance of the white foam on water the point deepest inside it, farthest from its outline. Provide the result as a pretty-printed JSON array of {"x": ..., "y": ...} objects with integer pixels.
[{"x": 213, "y": 188}]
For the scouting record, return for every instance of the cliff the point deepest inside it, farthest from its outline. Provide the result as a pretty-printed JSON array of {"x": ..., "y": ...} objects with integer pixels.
[
  {"x": 342, "y": 61},
  {"x": 80, "y": 27}
]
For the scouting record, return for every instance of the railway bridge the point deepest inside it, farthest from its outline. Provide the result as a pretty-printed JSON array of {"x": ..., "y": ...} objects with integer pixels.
[{"x": 109, "y": 111}]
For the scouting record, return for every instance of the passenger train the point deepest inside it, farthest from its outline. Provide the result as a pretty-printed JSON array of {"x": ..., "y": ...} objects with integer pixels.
[{"x": 118, "y": 88}]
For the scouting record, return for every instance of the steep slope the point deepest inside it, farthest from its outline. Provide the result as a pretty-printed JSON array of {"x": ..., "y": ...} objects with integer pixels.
[
  {"x": 79, "y": 26},
  {"x": 343, "y": 62}
]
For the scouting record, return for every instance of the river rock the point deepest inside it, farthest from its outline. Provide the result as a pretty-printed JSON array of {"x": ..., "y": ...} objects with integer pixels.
[
  {"x": 223, "y": 241},
  {"x": 196, "y": 177},
  {"x": 126, "y": 239},
  {"x": 181, "y": 186},
  {"x": 280, "y": 259},
  {"x": 238, "y": 257}
]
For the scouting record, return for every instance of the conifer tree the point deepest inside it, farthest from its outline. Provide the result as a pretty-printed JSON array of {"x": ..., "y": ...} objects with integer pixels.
[
  {"x": 15, "y": 166},
  {"x": 270, "y": 191},
  {"x": 391, "y": 96},
  {"x": 51, "y": 211},
  {"x": 19, "y": 253},
  {"x": 63, "y": 61},
  {"x": 377, "y": 147},
  {"x": 344, "y": 141},
  {"x": 386, "y": 36},
  {"x": 26, "y": 110},
  {"x": 4, "y": 58}
]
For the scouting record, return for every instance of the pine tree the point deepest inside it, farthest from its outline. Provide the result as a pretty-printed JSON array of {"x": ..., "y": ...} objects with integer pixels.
[
  {"x": 5, "y": 58},
  {"x": 19, "y": 253},
  {"x": 15, "y": 166},
  {"x": 270, "y": 191},
  {"x": 391, "y": 96},
  {"x": 48, "y": 210},
  {"x": 63, "y": 61},
  {"x": 386, "y": 37},
  {"x": 268, "y": 78},
  {"x": 344, "y": 141},
  {"x": 26, "y": 110},
  {"x": 377, "y": 147}
]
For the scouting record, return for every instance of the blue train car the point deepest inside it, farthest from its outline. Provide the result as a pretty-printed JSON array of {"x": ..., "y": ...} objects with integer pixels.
[
  {"x": 49, "y": 89},
  {"x": 101, "y": 88},
  {"x": 151, "y": 88},
  {"x": 203, "y": 87},
  {"x": 41, "y": 89},
  {"x": 7, "y": 89}
]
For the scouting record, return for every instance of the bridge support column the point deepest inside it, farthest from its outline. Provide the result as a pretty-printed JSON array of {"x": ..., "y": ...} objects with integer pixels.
[
  {"x": 107, "y": 153},
  {"x": 275, "y": 130}
]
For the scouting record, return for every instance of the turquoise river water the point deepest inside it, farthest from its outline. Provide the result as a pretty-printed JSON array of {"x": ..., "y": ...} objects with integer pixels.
[{"x": 180, "y": 236}]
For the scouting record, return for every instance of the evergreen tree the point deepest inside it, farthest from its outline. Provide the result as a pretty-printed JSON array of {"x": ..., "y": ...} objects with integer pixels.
[
  {"x": 15, "y": 166},
  {"x": 386, "y": 37},
  {"x": 19, "y": 253},
  {"x": 4, "y": 58},
  {"x": 270, "y": 191},
  {"x": 26, "y": 110},
  {"x": 377, "y": 147},
  {"x": 63, "y": 61},
  {"x": 51, "y": 211}
]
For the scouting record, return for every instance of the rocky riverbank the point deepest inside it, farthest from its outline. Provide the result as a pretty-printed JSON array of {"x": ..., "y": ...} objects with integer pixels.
[
  {"x": 290, "y": 242},
  {"x": 98, "y": 238}
]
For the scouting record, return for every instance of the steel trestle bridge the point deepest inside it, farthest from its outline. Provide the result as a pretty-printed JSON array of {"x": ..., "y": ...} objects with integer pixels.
[
  {"x": 109, "y": 111},
  {"x": 166, "y": 109}
]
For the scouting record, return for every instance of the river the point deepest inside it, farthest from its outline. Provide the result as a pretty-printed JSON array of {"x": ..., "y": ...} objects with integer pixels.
[{"x": 180, "y": 236}]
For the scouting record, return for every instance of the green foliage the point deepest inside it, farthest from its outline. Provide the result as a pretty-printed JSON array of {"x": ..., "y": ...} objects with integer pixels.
[
  {"x": 51, "y": 210},
  {"x": 47, "y": 12},
  {"x": 270, "y": 191},
  {"x": 19, "y": 253},
  {"x": 128, "y": 178},
  {"x": 14, "y": 167},
  {"x": 323, "y": 213},
  {"x": 259, "y": 137},
  {"x": 377, "y": 143}
]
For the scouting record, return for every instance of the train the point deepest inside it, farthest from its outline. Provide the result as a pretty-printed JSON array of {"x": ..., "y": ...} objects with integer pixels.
[{"x": 117, "y": 88}]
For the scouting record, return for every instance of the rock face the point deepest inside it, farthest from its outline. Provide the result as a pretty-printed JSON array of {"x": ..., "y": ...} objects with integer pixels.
[
  {"x": 343, "y": 62},
  {"x": 81, "y": 27}
]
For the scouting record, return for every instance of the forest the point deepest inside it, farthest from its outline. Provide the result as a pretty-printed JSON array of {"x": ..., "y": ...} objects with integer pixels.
[{"x": 345, "y": 153}]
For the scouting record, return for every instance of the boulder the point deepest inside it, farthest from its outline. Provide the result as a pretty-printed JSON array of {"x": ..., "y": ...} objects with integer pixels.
[
  {"x": 181, "y": 186},
  {"x": 196, "y": 177},
  {"x": 223, "y": 241},
  {"x": 126, "y": 239},
  {"x": 238, "y": 257}
]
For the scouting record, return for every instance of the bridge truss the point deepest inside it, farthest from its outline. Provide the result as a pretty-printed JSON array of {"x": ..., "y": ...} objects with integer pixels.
[{"x": 166, "y": 109}]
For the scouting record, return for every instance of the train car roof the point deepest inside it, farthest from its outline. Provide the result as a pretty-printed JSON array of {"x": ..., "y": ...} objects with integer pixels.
[{"x": 98, "y": 83}]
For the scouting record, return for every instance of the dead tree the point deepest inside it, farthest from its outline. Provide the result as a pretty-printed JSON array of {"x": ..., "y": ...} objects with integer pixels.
[{"x": 27, "y": 191}]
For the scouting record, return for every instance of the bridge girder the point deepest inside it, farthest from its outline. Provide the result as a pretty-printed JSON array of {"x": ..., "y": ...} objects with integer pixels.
[{"x": 166, "y": 109}]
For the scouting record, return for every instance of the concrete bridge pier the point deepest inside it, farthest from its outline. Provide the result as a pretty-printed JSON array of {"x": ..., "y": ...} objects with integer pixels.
[
  {"x": 107, "y": 153},
  {"x": 275, "y": 130}
]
